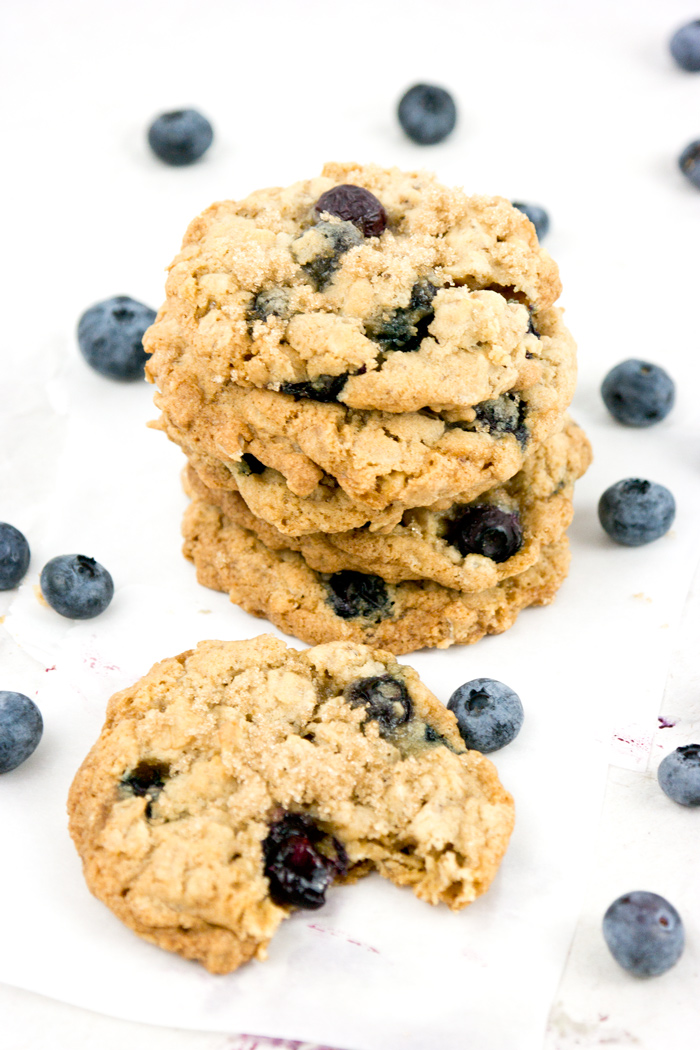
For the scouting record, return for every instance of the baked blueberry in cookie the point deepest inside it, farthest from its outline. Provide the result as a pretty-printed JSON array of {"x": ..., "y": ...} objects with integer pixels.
[
  {"x": 323, "y": 388},
  {"x": 487, "y": 530},
  {"x": 332, "y": 240},
  {"x": 238, "y": 781},
  {"x": 503, "y": 415},
  {"x": 406, "y": 328},
  {"x": 385, "y": 698},
  {"x": 356, "y": 594},
  {"x": 298, "y": 869},
  {"x": 354, "y": 204}
]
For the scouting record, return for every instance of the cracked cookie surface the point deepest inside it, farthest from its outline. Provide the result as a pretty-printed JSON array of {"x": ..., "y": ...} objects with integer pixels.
[
  {"x": 319, "y": 607},
  {"x": 459, "y": 547},
  {"x": 239, "y": 780},
  {"x": 433, "y": 303}
]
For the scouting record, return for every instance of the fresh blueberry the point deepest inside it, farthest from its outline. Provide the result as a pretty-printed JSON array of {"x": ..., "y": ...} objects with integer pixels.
[
  {"x": 427, "y": 114},
  {"x": 180, "y": 137},
  {"x": 502, "y": 415},
  {"x": 689, "y": 162},
  {"x": 358, "y": 594},
  {"x": 21, "y": 726},
  {"x": 489, "y": 714},
  {"x": 634, "y": 512},
  {"x": 406, "y": 328},
  {"x": 637, "y": 393},
  {"x": 487, "y": 530},
  {"x": 110, "y": 337},
  {"x": 685, "y": 46},
  {"x": 76, "y": 586},
  {"x": 386, "y": 699},
  {"x": 644, "y": 933},
  {"x": 537, "y": 216},
  {"x": 321, "y": 388},
  {"x": 338, "y": 238},
  {"x": 301, "y": 861},
  {"x": 679, "y": 775},
  {"x": 14, "y": 556},
  {"x": 354, "y": 204},
  {"x": 251, "y": 465}
]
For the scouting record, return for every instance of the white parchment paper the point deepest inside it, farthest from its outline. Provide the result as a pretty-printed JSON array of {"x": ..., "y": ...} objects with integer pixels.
[{"x": 80, "y": 472}]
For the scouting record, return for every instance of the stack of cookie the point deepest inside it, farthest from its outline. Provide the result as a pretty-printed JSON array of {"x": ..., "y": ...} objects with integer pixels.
[{"x": 370, "y": 381}]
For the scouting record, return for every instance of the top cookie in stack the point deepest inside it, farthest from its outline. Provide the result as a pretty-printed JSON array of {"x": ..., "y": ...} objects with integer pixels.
[{"x": 371, "y": 332}]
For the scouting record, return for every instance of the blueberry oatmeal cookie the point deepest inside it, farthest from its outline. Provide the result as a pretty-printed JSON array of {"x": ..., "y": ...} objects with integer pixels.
[
  {"x": 376, "y": 288},
  {"x": 467, "y": 547},
  {"x": 351, "y": 606},
  {"x": 236, "y": 782},
  {"x": 413, "y": 458}
]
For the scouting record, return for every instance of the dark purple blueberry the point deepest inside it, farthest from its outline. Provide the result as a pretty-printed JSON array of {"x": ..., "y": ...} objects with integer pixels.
[
  {"x": 679, "y": 775},
  {"x": 14, "y": 556},
  {"x": 502, "y": 415},
  {"x": 110, "y": 337},
  {"x": 537, "y": 216},
  {"x": 180, "y": 137},
  {"x": 320, "y": 388},
  {"x": 406, "y": 328},
  {"x": 355, "y": 205},
  {"x": 485, "y": 529},
  {"x": 644, "y": 933},
  {"x": 147, "y": 779},
  {"x": 338, "y": 238},
  {"x": 685, "y": 46},
  {"x": 634, "y": 512},
  {"x": 271, "y": 302},
  {"x": 386, "y": 699},
  {"x": 301, "y": 861},
  {"x": 689, "y": 162},
  {"x": 21, "y": 726},
  {"x": 489, "y": 714},
  {"x": 356, "y": 594},
  {"x": 251, "y": 465},
  {"x": 637, "y": 393},
  {"x": 76, "y": 586},
  {"x": 427, "y": 114}
]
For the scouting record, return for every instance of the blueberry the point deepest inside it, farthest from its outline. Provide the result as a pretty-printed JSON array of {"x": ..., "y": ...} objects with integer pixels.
[
  {"x": 634, "y": 512},
  {"x": 251, "y": 465},
  {"x": 637, "y": 393},
  {"x": 537, "y": 216},
  {"x": 358, "y": 594},
  {"x": 14, "y": 556},
  {"x": 386, "y": 699},
  {"x": 679, "y": 775},
  {"x": 489, "y": 714},
  {"x": 685, "y": 46},
  {"x": 644, "y": 933},
  {"x": 21, "y": 726},
  {"x": 301, "y": 862},
  {"x": 356, "y": 205},
  {"x": 502, "y": 415},
  {"x": 689, "y": 162},
  {"x": 271, "y": 302},
  {"x": 427, "y": 114},
  {"x": 110, "y": 337},
  {"x": 76, "y": 586},
  {"x": 321, "y": 388},
  {"x": 406, "y": 328},
  {"x": 180, "y": 137},
  {"x": 338, "y": 237},
  {"x": 487, "y": 530},
  {"x": 146, "y": 780}
]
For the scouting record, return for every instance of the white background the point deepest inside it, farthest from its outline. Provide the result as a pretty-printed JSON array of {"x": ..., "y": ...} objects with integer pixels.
[{"x": 576, "y": 107}]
